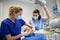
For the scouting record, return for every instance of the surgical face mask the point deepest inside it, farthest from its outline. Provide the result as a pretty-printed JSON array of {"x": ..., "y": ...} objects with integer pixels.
[
  {"x": 35, "y": 17},
  {"x": 19, "y": 17}
]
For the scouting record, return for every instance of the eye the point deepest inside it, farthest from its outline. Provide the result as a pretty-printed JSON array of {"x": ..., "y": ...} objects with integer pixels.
[{"x": 34, "y": 15}]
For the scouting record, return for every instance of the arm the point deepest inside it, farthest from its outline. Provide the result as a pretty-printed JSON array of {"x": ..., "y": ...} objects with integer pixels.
[
  {"x": 31, "y": 27},
  {"x": 9, "y": 37},
  {"x": 48, "y": 15}
]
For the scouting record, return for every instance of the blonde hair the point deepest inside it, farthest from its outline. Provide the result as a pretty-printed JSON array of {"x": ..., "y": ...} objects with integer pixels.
[{"x": 14, "y": 8}]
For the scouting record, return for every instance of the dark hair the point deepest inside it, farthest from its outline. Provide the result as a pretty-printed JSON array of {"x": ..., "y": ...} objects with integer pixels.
[{"x": 38, "y": 12}]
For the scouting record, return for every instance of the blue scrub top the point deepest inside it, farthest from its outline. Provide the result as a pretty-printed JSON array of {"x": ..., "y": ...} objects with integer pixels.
[
  {"x": 39, "y": 24},
  {"x": 8, "y": 27}
]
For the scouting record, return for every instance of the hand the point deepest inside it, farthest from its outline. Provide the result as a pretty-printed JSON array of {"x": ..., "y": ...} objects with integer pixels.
[
  {"x": 42, "y": 5},
  {"x": 27, "y": 32},
  {"x": 42, "y": 2}
]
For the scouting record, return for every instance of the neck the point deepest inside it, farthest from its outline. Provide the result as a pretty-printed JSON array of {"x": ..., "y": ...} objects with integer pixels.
[{"x": 12, "y": 19}]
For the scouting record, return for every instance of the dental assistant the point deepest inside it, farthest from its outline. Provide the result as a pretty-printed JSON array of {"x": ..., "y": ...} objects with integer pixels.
[
  {"x": 38, "y": 22},
  {"x": 11, "y": 27}
]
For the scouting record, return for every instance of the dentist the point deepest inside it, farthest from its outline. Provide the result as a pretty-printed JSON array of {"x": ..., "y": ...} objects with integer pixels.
[
  {"x": 11, "y": 27},
  {"x": 38, "y": 22}
]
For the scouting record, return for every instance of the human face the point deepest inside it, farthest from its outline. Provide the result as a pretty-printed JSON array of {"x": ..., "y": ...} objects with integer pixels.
[
  {"x": 35, "y": 16},
  {"x": 17, "y": 14}
]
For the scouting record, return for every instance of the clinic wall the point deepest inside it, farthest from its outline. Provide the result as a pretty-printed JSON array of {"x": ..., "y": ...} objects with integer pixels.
[{"x": 0, "y": 11}]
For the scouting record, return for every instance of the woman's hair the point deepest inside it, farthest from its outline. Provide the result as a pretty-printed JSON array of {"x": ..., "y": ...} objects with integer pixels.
[
  {"x": 38, "y": 12},
  {"x": 15, "y": 9}
]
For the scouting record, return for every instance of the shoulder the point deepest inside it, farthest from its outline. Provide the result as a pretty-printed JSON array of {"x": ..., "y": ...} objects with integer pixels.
[
  {"x": 22, "y": 20},
  {"x": 5, "y": 21}
]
